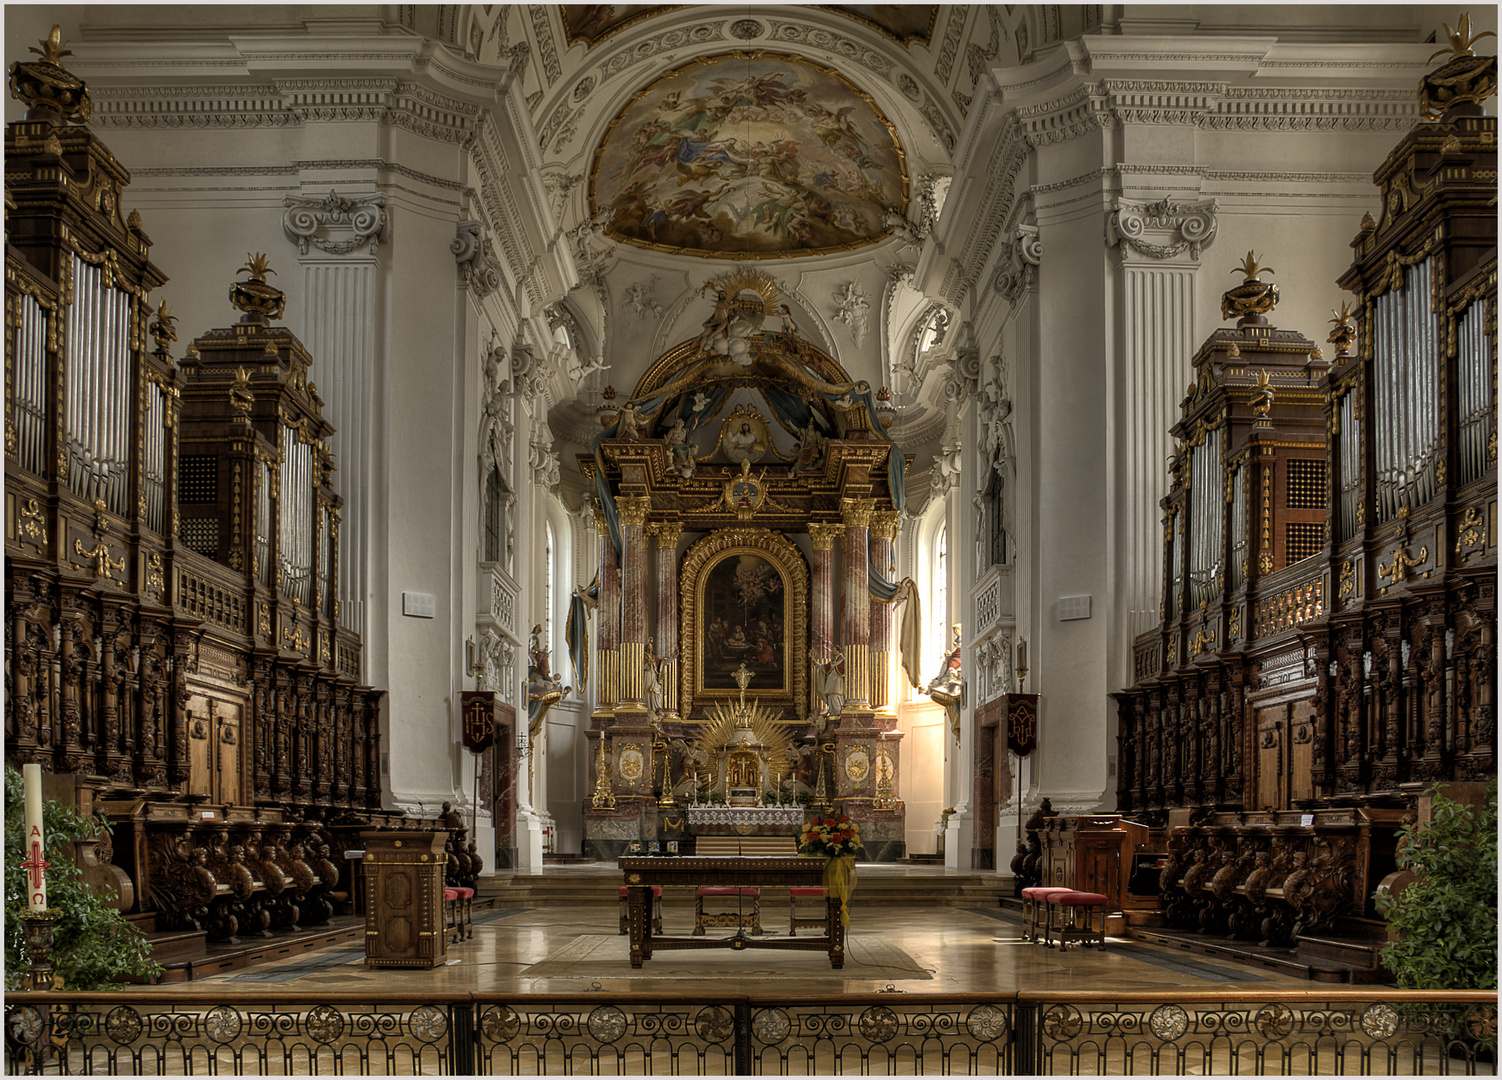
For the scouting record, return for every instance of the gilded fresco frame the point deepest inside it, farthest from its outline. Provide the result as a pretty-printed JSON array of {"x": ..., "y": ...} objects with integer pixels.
[
  {"x": 879, "y": 114},
  {"x": 699, "y": 562}
]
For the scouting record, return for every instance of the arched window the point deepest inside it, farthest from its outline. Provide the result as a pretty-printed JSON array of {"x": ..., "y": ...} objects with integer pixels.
[
  {"x": 941, "y": 591},
  {"x": 548, "y": 592}
]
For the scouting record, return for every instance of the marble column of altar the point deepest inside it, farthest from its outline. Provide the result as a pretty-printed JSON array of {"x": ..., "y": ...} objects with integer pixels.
[
  {"x": 607, "y": 646},
  {"x": 856, "y": 628},
  {"x": 883, "y": 532},
  {"x": 821, "y": 626},
  {"x": 668, "y": 533},
  {"x": 632, "y": 510}
]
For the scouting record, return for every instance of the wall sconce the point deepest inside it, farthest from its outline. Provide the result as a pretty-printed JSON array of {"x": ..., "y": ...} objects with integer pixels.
[
  {"x": 1021, "y": 662},
  {"x": 474, "y": 663}
]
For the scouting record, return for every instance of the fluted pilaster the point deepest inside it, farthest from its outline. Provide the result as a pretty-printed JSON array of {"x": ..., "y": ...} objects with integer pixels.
[{"x": 632, "y": 510}]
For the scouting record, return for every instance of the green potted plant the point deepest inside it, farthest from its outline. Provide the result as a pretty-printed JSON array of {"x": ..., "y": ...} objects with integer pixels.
[
  {"x": 94, "y": 947},
  {"x": 1444, "y": 920}
]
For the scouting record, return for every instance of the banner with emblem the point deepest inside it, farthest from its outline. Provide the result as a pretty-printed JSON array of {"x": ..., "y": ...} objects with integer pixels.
[
  {"x": 478, "y": 707},
  {"x": 1022, "y": 723}
]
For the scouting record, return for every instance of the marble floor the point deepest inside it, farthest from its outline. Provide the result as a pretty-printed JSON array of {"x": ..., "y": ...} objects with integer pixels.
[{"x": 963, "y": 949}]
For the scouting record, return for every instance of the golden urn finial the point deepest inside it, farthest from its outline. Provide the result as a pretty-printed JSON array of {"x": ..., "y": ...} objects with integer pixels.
[
  {"x": 257, "y": 265},
  {"x": 1250, "y": 268},
  {"x": 1464, "y": 81},
  {"x": 1253, "y": 298},
  {"x": 52, "y": 50},
  {"x": 1462, "y": 41},
  {"x": 51, "y": 93}
]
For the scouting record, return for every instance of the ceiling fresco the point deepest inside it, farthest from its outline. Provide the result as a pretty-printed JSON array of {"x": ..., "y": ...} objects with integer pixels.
[
  {"x": 592, "y": 23},
  {"x": 905, "y": 23},
  {"x": 750, "y": 155}
]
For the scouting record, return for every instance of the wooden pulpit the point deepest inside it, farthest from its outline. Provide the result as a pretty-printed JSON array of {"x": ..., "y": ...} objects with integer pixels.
[{"x": 404, "y": 899}]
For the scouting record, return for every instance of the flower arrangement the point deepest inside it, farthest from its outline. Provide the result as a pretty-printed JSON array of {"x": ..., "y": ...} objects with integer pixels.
[{"x": 832, "y": 837}]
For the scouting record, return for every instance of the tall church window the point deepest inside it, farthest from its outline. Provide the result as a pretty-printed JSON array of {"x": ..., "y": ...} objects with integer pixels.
[
  {"x": 548, "y": 593},
  {"x": 941, "y": 588},
  {"x": 492, "y": 517}
]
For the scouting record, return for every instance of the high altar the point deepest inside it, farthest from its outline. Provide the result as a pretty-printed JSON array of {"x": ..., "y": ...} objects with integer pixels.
[{"x": 768, "y": 482}]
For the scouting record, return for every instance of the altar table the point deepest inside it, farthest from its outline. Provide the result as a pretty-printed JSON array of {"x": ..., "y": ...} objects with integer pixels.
[{"x": 643, "y": 872}]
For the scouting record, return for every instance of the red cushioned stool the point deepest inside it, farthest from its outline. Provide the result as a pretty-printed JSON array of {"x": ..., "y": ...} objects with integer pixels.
[
  {"x": 807, "y": 892},
  {"x": 451, "y": 911},
  {"x": 739, "y": 919},
  {"x": 1078, "y": 914},
  {"x": 464, "y": 912},
  {"x": 1035, "y": 908},
  {"x": 655, "y": 914}
]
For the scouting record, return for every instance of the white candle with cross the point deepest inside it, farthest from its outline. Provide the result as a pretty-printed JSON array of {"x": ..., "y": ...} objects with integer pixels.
[{"x": 34, "y": 865}]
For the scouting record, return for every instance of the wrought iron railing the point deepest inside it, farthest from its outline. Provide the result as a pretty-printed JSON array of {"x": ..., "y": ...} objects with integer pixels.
[{"x": 600, "y": 1033}]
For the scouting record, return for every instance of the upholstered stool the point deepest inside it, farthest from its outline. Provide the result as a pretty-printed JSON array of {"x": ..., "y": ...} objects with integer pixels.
[
  {"x": 740, "y": 919},
  {"x": 1078, "y": 919},
  {"x": 1035, "y": 908},
  {"x": 655, "y": 914},
  {"x": 465, "y": 912},
  {"x": 451, "y": 911},
  {"x": 806, "y": 892}
]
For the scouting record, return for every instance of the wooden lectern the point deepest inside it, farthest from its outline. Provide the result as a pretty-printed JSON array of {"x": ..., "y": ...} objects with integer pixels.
[{"x": 404, "y": 899}]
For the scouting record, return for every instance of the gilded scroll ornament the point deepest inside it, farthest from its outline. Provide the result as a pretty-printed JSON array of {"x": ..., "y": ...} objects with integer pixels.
[
  {"x": 1470, "y": 534},
  {"x": 103, "y": 564},
  {"x": 32, "y": 524},
  {"x": 1401, "y": 564}
]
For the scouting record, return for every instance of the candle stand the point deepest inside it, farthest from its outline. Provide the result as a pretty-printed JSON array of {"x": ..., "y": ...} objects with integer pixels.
[{"x": 38, "y": 928}]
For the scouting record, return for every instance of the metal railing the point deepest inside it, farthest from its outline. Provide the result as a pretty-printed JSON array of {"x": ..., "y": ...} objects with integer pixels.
[{"x": 256, "y": 1033}]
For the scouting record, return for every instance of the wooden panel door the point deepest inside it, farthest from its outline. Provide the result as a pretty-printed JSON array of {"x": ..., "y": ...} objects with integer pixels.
[{"x": 1271, "y": 747}]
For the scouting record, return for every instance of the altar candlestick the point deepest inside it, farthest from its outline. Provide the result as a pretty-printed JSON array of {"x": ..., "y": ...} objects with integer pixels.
[{"x": 34, "y": 864}]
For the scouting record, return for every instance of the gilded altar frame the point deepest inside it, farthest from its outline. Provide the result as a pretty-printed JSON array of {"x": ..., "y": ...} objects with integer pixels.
[{"x": 699, "y": 562}]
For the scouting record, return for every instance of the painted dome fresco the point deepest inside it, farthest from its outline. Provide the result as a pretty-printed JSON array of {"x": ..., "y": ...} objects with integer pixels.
[{"x": 750, "y": 155}]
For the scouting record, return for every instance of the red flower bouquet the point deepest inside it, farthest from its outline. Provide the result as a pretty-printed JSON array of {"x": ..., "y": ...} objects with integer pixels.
[{"x": 830, "y": 836}]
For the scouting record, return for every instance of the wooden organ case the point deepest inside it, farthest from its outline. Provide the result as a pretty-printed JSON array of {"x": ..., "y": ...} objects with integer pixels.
[
  {"x": 172, "y": 638},
  {"x": 1328, "y": 649}
]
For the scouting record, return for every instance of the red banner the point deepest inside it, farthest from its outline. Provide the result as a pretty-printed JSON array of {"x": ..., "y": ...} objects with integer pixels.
[
  {"x": 479, "y": 719},
  {"x": 1022, "y": 723}
]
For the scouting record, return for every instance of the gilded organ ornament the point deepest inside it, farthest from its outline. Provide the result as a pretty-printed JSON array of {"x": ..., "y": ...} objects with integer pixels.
[
  {"x": 1466, "y": 79},
  {"x": 1250, "y": 301}
]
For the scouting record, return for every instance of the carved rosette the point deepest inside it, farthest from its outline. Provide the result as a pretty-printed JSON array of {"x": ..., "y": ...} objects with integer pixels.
[{"x": 1163, "y": 229}]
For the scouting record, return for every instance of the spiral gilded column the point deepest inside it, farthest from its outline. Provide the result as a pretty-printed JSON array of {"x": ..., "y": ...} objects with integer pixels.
[
  {"x": 883, "y": 532},
  {"x": 668, "y": 534},
  {"x": 856, "y": 628},
  {"x": 632, "y": 510},
  {"x": 607, "y": 648}
]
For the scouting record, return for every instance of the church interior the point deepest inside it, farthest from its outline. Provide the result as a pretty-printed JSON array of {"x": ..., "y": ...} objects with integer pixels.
[{"x": 1061, "y": 439}]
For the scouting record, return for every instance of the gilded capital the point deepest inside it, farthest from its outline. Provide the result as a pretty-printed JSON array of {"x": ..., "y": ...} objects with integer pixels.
[
  {"x": 667, "y": 533},
  {"x": 599, "y": 515},
  {"x": 884, "y": 524},
  {"x": 824, "y": 536},
  {"x": 633, "y": 509},
  {"x": 857, "y": 512}
]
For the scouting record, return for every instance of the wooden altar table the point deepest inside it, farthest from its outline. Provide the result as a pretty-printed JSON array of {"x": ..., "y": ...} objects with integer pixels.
[{"x": 643, "y": 872}]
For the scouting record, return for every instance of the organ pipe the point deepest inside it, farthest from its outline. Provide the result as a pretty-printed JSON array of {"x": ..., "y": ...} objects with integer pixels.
[
  {"x": 1350, "y": 467},
  {"x": 98, "y": 389},
  {"x": 1406, "y": 372},
  {"x": 30, "y": 392},
  {"x": 1206, "y": 521},
  {"x": 1474, "y": 391},
  {"x": 1236, "y": 570}
]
